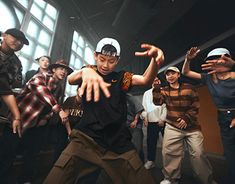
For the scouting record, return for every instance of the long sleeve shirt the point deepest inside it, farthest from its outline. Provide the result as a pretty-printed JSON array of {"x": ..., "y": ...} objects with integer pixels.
[
  {"x": 36, "y": 101},
  {"x": 153, "y": 113},
  {"x": 181, "y": 103}
]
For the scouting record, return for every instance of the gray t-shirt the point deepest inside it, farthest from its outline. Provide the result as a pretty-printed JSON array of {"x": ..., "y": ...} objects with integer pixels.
[
  {"x": 222, "y": 92},
  {"x": 134, "y": 106}
]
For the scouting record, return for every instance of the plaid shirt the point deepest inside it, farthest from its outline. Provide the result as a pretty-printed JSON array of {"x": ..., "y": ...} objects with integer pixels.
[{"x": 36, "y": 101}]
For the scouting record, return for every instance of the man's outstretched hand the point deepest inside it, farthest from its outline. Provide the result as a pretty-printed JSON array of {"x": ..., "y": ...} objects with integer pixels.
[
  {"x": 92, "y": 82},
  {"x": 152, "y": 51},
  {"x": 222, "y": 64}
]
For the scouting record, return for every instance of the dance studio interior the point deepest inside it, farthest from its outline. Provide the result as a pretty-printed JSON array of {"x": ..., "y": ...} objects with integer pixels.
[{"x": 69, "y": 30}]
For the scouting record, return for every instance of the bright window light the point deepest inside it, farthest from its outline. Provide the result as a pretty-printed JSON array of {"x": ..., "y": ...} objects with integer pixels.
[
  {"x": 89, "y": 56},
  {"x": 6, "y": 18},
  {"x": 75, "y": 36},
  {"x": 74, "y": 46},
  {"x": 80, "y": 51},
  {"x": 34, "y": 66},
  {"x": 25, "y": 63},
  {"x": 51, "y": 11},
  {"x": 44, "y": 38},
  {"x": 78, "y": 63},
  {"x": 40, "y": 51},
  {"x": 28, "y": 49},
  {"x": 24, "y": 3},
  {"x": 20, "y": 15},
  {"x": 33, "y": 29},
  {"x": 48, "y": 22},
  {"x": 36, "y": 11},
  {"x": 81, "y": 41},
  {"x": 40, "y": 3},
  {"x": 81, "y": 54}
]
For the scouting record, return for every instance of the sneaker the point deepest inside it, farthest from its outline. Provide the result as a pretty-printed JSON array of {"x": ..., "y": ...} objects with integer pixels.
[
  {"x": 165, "y": 181},
  {"x": 149, "y": 164}
]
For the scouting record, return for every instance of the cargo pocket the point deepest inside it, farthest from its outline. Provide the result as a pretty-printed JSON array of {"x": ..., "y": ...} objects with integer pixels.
[
  {"x": 63, "y": 160},
  {"x": 135, "y": 162}
]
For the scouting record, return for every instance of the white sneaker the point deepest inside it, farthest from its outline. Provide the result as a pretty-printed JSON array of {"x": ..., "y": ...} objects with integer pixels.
[
  {"x": 149, "y": 164},
  {"x": 165, "y": 181}
]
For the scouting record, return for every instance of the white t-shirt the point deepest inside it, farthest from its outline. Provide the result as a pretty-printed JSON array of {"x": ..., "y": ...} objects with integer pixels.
[{"x": 153, "y": 113}]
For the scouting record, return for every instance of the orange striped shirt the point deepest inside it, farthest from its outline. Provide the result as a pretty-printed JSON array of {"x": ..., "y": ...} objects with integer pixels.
[{"x": 181, "y": 103}]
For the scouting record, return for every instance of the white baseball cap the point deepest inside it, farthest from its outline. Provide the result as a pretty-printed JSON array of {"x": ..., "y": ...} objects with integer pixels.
[
  {"x": 100, "y": 48},
  {"x": 215, "y": 53},
  {"x": 172, "y": 68}
]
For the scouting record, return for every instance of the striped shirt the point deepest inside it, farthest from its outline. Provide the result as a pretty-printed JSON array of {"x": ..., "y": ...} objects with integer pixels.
[{"x": 181, "y": 103}]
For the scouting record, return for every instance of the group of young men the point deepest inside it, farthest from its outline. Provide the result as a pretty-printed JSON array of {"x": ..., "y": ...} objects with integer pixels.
[
  {"x": 101, "y": 142},
  {"x": 31, "y": 109}
]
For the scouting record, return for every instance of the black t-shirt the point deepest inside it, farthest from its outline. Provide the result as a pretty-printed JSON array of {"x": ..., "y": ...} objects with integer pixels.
[
  {"x": 10, "y": 77},
  {"x": 10, "y": 74},
  {"x": 29, "y": 74},
  {"x": 74, "y": 106},
  {"x": 105, "y": 120}
]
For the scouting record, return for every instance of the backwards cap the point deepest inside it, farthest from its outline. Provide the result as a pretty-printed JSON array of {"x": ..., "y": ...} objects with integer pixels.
[
  {"x": 218, "y": 52},
  {"x": 113, "y": 50}
]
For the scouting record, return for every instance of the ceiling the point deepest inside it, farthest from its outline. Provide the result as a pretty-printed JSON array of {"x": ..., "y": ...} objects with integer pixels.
[{"x": 173, "y": 25}]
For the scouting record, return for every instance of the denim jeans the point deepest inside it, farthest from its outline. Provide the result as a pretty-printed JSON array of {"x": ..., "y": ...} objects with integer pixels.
[{"x": 228, "y": 139}]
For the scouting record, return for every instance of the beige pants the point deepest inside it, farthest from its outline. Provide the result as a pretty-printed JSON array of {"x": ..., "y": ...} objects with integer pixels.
[
  {"x": 173, "y": 148},
  {"x": 84, "y": 158}
]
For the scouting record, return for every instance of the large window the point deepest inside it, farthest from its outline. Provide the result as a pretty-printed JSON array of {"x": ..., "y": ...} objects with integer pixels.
[
  {"x": 6, "y": 17},
  {"x": 81, "y": 54},
  {"x": 38, "y": 20}
]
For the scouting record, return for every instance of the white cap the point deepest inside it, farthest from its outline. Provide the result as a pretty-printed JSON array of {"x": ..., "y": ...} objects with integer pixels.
[
  {"x": 108, "y": 41},
  {"x": 217, "y": 52},
  {"x": 172, "y": 68}
]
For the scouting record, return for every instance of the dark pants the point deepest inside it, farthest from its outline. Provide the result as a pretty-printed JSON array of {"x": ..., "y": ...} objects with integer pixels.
[
  {"x": 152, "y": 137},
  {"x": 228, "y": 139},
  {"x": 83, "y": 160},
  {"x": 137, "y": 140},
  {"x": 8, "y": 145},
  {"x": 58, "y": 138},
  {"x": 30, "y": 146}
]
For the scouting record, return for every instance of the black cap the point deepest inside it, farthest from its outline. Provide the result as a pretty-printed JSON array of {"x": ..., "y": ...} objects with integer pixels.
[{"x": 17, "y": 34}]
